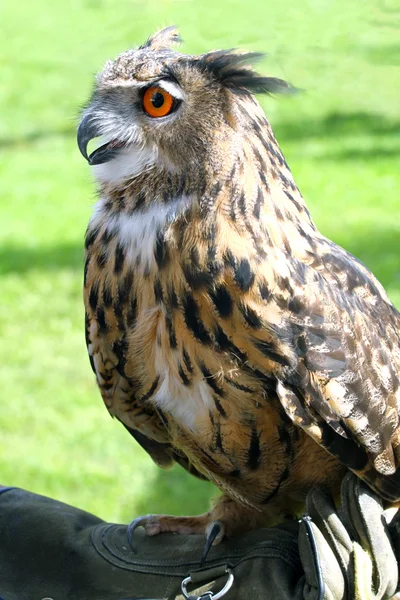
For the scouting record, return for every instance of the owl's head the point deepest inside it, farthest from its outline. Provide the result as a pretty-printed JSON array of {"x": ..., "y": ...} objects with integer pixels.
[{"x": 153, "y": 106}]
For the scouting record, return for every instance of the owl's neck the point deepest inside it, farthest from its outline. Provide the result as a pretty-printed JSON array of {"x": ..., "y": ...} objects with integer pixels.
[
  {"x": 260, "y": 197},
  {"x": 248, "y": 187}
]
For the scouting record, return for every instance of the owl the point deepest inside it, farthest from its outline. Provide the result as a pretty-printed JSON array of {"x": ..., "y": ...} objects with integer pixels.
[{"x": 226, "y": 333}]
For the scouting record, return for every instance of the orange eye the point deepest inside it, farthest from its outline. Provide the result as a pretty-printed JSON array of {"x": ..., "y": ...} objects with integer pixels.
[{"x": 157, "y": 102}]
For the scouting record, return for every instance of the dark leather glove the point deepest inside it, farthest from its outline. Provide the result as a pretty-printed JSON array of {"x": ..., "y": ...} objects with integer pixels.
[{"x": 51, "y": 550}]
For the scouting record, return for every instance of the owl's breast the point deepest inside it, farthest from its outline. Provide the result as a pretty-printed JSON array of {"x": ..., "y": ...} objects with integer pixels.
[
  {"x": 172, "y": 353},
  {"x": 167, "y": 367}
]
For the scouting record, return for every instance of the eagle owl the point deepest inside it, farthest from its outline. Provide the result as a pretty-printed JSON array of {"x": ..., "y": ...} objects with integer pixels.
[{"x": 225, "y": 331}]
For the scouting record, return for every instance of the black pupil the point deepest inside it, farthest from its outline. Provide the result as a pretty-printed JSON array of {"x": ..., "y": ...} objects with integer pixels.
[{"x": 157, "y": 100}]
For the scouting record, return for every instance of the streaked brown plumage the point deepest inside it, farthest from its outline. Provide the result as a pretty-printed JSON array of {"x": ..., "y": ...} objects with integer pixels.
[{"x": 225, "y": 331}]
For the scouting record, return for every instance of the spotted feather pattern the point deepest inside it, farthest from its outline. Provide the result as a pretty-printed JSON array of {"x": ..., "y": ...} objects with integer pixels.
[{"x": 225, "y": 331}]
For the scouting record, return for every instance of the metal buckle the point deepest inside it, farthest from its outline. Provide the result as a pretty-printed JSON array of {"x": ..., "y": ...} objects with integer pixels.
[{"x": 208, "y": 595}]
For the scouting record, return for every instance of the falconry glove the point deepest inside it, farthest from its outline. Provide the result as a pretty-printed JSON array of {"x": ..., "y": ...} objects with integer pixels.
[
  {"x": 347, "y": 553},
  {"x": 51, "y": 550}
]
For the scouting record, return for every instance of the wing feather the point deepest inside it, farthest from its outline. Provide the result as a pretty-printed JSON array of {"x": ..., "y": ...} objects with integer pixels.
[
  {"x": 341, "y": 384},
  {"x": 164, "y": 455}
]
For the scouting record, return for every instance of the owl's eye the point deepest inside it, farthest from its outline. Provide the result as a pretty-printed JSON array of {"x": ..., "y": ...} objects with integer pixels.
[{"x": 157, "y": 102}]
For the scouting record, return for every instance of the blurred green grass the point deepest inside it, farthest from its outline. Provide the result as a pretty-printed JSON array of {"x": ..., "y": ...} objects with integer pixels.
[{"x": 341, "y": 139}]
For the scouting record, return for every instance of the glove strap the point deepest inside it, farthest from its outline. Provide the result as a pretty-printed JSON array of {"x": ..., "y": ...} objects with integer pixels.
[
  {"x": 306, "y": 519},
  {"x": 200, "y": 576}
]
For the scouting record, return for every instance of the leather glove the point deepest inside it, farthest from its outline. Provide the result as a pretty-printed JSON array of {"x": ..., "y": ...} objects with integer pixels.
[
  {"x": 347, "y": 553},
  {"x": 51, "y": 550}
]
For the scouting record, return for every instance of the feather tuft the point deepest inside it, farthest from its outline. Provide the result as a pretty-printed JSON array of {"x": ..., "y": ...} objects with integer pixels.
[
  {"x": 232, "y": 69},
  {"x": 163, "y": 39}
]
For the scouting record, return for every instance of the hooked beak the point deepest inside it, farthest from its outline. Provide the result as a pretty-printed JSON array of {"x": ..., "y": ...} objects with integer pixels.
[{"x": 87, "y": 131}]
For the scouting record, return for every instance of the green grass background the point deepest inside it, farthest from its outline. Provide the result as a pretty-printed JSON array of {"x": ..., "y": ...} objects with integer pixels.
[{"x": 340, "y": 136}]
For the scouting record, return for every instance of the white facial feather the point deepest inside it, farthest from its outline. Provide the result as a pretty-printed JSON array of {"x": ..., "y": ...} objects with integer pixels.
[
  {"x": 172, "y": 88},
  {"x": 128, "y": 163},
  {"x": 137, "y": 157}
]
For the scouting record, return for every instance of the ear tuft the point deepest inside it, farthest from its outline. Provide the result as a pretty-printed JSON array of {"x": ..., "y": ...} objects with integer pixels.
[
  {"x": 165, "y": 38},
  {"x": 231, "y": 69}
]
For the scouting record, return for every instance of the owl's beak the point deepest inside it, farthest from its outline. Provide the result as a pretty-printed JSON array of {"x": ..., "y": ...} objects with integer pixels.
[{"x": 87, "y": 131}]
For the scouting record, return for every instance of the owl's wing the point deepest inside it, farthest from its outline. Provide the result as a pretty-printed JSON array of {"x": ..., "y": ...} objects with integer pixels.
[
  {"x": 164, "y": 455},
  {"x": 160, "y": 453},
  {"x": 333, "y": 345}
]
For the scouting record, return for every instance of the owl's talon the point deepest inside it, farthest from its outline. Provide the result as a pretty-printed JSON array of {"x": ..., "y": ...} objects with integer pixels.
[
  {"x": 215, "y": 533},
  {"x": 150, "y": 524}
]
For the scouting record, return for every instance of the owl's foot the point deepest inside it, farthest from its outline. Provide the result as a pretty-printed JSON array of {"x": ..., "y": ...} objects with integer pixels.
[
  {"x": 227, "y": 518},
  {"x": 202, "y": 524}
]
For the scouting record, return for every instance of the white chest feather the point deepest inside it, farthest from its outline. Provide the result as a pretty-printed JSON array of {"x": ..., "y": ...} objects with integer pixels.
[
  {"x": 186, "y": 404},
  {"x": 137, "y": 232}
]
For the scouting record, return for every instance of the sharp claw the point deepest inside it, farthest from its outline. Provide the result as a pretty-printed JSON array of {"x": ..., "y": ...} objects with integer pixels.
[
  {"x": 138, "y": 522},
  {"x": 215, "y": 531}
]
